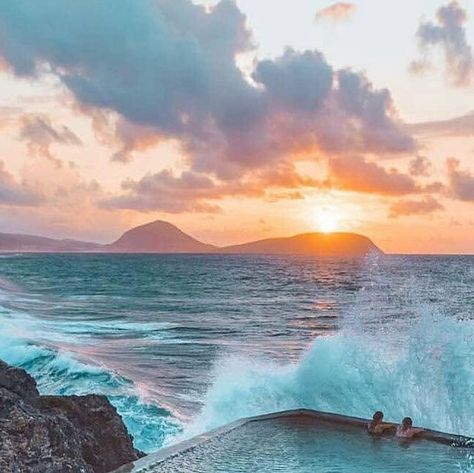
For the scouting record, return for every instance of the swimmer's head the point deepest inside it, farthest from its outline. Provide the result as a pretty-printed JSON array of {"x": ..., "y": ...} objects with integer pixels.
[
  {"x": 378, "y": 416},
  {"x": 407, "y": 423}
]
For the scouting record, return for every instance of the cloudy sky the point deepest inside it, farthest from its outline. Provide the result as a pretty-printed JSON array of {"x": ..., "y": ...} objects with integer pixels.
[{"x": 239, "y": 120}]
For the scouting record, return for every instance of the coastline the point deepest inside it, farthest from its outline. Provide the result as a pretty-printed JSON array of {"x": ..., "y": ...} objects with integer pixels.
[{"x": 58, "y": 433}]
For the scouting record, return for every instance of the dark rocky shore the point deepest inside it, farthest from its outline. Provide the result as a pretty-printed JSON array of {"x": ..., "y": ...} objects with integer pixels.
[{"x": 58, "y": 434}]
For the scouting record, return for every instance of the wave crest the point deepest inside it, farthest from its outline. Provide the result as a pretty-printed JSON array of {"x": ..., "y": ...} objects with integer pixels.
[{"x": 429, "y": 376}]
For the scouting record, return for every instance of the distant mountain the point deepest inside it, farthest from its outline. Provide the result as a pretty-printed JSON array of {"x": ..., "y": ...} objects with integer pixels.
[
  {"x": 158, "y": 237},
  {"x": 163, "y": 237},
  {"x": 31, "y": 243},
  {"x": 319, "y": 244}
]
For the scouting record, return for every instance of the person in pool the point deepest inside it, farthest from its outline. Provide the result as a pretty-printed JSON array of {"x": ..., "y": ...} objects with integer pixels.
[
  {"x": 377, "y": 426},
  {"x": 406, "y": 430}
]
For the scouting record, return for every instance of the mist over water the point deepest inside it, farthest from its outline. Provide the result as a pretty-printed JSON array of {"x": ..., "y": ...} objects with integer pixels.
[{"x": 181, "y": 344}]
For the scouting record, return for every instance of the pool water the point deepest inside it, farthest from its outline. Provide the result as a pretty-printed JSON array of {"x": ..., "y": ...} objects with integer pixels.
[{"x": 303, "y": 445}]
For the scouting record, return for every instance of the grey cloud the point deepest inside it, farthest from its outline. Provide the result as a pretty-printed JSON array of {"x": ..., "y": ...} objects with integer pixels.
[
  {"x": 166, "y": 192},
  {"x": 379, "y": 129},
  {"x": 296, "y": 81},
  {"x": 133, "y": 138},
  {"x": 15, "y": 193},
  {"x": 457, "y": 126},
  {"x": 450, "y": 34},
  {"x": 169, "y": 66},
  {"x": 420, "y": 166},
  {"x": 419, "y": 67},
  {"x": 461, "y": 182},
  {"x": 39, "y": 134}
]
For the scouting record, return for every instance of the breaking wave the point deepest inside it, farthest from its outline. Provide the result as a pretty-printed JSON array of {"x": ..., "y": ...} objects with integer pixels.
[
  {"x": 428, "y": 374},
  {"x": 61, "y": 374}
]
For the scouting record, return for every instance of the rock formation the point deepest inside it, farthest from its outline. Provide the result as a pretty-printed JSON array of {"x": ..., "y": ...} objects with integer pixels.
[{"x": 58, "y": 434}]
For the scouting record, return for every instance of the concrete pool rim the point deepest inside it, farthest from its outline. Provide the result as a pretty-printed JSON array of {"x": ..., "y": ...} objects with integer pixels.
[{"x": 147, "y": 463}]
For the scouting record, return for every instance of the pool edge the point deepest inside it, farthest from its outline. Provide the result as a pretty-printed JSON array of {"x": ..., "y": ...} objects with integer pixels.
[{"x": 154, "y": 459}]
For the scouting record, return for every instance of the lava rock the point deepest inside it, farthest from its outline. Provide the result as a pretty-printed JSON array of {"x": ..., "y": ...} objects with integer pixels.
[
  {"x": 58, "y": 434},
  {"x": 18, "y": 382}
]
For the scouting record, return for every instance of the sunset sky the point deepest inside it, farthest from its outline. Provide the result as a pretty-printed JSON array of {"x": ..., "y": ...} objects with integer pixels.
[{"x": 239, "y": 120}]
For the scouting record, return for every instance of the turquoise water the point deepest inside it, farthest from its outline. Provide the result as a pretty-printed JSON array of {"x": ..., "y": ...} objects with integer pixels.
[
  {"x": 306, "y": 446},
  {"x": 185, "y": 343}
]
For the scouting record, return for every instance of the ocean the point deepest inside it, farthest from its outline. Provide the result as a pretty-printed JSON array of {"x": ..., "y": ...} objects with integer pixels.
[{"x": 184, "y": 343}]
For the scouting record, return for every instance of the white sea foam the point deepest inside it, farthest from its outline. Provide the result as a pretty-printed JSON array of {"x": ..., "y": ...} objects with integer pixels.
[
  {"x": 429, "y": 377},
  {"x": 23, "y": 343}
]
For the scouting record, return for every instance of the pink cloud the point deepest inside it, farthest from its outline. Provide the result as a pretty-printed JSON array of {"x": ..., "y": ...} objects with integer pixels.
[
  {"x": 425, "y": 206},
  {"x": 358, "y": 175},
  {"x": 336, "y": 12},
  {"x": 190, "y": 191}
]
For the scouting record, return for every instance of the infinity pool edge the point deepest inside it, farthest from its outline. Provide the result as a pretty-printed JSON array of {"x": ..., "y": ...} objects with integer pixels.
[{"x": 146, "y": 464}]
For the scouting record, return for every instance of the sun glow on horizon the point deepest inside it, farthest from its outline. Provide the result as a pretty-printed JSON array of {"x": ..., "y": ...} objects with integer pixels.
[{"x": 327, "y": 219}]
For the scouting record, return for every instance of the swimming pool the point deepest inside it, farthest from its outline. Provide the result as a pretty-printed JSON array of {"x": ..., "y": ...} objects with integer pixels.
[{"x": 298, "y": 443}]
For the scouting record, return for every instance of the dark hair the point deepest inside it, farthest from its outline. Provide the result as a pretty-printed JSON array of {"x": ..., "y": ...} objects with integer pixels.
[
  {"x": 407, "y": 422},
  {"x": 378, "y": 416}
]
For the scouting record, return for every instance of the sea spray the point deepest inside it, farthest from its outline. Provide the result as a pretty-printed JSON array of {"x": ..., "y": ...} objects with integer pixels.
[{"x": 430, "y": 376}]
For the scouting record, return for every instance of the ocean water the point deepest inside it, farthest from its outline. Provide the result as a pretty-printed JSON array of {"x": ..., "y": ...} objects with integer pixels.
[{"x": 185, "y": 343}]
